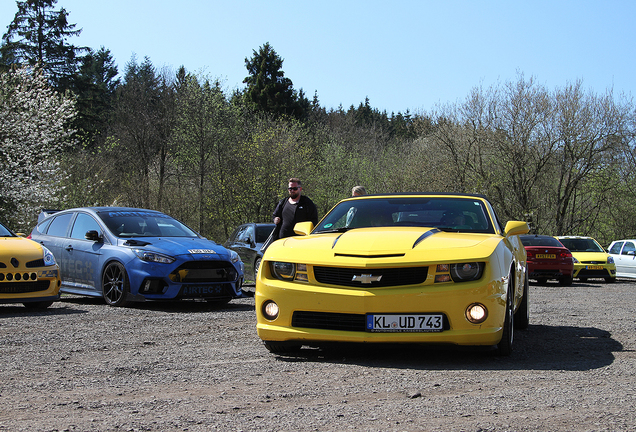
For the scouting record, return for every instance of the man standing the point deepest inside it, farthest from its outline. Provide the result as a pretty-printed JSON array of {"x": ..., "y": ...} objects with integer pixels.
[{"x": 296, "y": 208}]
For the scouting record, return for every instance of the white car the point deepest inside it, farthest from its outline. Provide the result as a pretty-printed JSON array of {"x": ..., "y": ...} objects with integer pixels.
[{"x": 624, "y": 254}]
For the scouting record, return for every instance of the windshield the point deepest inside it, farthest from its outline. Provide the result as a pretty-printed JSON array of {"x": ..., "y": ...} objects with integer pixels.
[
  {"x": 144, "y": 224},
  {"x": 5, "y": 232},
  {"x": 447, "y": 214},
  {"x": 581, "y": 245}
]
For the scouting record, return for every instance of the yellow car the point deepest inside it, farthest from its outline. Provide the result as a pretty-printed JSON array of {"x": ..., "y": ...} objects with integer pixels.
[
  {"x": 590, "y": 259},
  {"x": 28, "y": 272},
  {"x": 396, "y": 268}
]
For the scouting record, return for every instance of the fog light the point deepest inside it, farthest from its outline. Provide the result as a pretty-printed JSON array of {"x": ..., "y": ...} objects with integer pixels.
[
  {"x": 270, "y": 310},
  {"x": 476, "y": 313}
]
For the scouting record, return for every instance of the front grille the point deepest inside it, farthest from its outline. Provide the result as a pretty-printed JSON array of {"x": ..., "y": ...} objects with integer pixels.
[
  {"x": 389, "y": 276},
  {"x": 204, "y": 271},
  {"x": 23, "y": 287},
  {"x": 329, "y": 321},
  {"x": 593, "y": 273},
  {"x": 35, "y": 263}
]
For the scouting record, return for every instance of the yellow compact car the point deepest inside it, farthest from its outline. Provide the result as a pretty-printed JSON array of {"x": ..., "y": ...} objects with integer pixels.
[
  {"x": 28, "y": 272},
  {"x": 396, "y": 268},
  {"x": 590, "y": 259}
]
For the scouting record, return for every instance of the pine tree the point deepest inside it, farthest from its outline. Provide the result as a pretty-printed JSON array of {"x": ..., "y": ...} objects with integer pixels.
[
  {"x": 38, "y": 36},
  {"x": 267, "y": 87}
]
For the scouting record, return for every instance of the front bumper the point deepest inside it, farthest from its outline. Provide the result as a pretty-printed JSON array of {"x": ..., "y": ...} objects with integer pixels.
[
  {"x": 297, "y": 299},
  {"x": 43, "y": 285},
  {"x": 594, "y": 271}
]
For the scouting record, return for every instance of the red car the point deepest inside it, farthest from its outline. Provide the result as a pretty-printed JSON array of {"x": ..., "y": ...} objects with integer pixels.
[{"x": 548, "y": 259}]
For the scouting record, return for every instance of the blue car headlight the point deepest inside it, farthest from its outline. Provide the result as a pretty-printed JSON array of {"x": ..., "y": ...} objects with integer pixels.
[
  {"x": 48, "y": 257},
  {"x": 149, "y": 256},
  {"x": 610, "y": 260},
  {"x": 234, "y": 257}
]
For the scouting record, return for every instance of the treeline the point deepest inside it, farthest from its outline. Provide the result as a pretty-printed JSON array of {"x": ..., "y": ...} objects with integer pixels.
[{"x": 178, "y": 142}]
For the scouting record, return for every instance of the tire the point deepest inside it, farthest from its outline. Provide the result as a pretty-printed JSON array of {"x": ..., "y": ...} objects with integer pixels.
[
  {"x": 583, "y": 279},
  {"x": 38, "y": 305},
  {"x": 282, "y": 347},
  {"x": 522, "y": 316},
  {"x": 542, "y": 281},
  {"x": 610, "y": 279},
  {"x": 565, "y": 280},
  {"x": 115, "y": 285},
  {"x": 504, "y": 347},
  {"x": 257, "y": 265}
]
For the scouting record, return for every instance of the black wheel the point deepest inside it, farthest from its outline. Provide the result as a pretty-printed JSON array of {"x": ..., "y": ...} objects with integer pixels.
[
  {"x": 38, "y": 305},
  {"x": 257, "y": 265},
  {"x": 565, "y": 280},
  {"x": 583, "y": 279},
  {"x": 282, "y": 347},
  {"x": 610, "y": 279},
  {"x": 115, "y": 285},
  {"x": 542, "y": 281},
  {"x": 522, "y": 316},
  {"x": 504, "y": 347}
]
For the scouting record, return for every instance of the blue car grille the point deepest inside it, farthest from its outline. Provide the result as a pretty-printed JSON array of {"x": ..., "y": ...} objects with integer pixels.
[
  {"x": 387, "y": 276},
  {"x": 204, "y": 271}
]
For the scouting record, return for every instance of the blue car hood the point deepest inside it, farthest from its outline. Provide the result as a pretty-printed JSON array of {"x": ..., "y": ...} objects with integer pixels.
[{"x": 195, "y": 248}]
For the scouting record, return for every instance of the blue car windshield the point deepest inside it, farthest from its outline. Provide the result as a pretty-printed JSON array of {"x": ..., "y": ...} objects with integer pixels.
[
  {"x": 144, "y": 224},
  {"x": 456, "y": 214}
]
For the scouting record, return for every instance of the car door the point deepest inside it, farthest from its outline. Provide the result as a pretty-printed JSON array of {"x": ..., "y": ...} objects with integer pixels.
[
  {"x": 54, "y": 238},
  {"x": 244, "y": 239},
  {"x": 627, "y": 259},
  {"x": 82, "y": 256}
]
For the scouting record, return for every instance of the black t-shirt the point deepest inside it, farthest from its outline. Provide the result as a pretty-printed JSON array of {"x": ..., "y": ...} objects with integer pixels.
[{"x": 288, "y": 222}]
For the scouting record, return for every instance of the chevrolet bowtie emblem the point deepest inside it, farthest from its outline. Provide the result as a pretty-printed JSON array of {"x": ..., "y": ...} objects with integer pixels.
[{"x": 366, "y": 278}]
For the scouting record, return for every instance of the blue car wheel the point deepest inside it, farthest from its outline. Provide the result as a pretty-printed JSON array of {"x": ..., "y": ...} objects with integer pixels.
[{"x": 115, "y": 285}]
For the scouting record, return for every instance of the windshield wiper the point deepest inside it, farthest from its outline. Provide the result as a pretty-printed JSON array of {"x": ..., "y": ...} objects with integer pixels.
[{"x": 334, "y": 230}]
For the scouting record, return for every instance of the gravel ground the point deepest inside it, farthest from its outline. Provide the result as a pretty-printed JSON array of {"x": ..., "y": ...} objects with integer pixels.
[{"x": 84, "y": 366}]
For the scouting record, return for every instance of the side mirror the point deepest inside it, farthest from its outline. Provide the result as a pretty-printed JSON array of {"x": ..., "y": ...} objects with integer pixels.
[
  {"x": 303, "y": 228},
  {"x": 92, "y": 235},
  {"x": 516, "y": 228}
]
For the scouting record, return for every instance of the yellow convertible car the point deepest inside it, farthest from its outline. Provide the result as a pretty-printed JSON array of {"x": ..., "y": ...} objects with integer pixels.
[
  {"x": 396, "y": 268},
  {"x": 28, "y": 272}
]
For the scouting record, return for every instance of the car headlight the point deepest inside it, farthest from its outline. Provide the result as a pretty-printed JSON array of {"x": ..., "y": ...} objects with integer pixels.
[
  {"x": 575, "y": 261},
  {"x": 283, "y": 270},
  {"x": 610, "y": 260},
  {"x": 155, "y": 257},
  {"x": 48, "y": 257},
  {"x": 464, "y": 272},
  {"x": 234, "y": 257}
]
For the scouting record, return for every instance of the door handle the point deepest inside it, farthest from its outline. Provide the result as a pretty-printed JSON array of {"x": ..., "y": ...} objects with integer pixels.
[{"x": 69, "y": 248}]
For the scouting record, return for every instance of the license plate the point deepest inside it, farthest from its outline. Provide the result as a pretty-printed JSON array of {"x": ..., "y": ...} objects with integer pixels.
[
  {"x": 404, "y": 323},
  {"x": 594, "y": 267},
  {"x": 546, "y": 256}
]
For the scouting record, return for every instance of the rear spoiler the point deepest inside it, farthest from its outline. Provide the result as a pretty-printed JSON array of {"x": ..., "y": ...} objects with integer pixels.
[{"x": 44, "y": 213}]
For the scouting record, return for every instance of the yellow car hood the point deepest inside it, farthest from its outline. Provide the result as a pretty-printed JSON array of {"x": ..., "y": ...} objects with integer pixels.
[
  {"x": 20, "y": 248},
  {"x": 586, "y": 257},
  {"x": 414, "y": 244}
]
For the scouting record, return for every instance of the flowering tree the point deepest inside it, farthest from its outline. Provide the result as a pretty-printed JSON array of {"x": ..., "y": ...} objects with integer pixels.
[{"x": 33, "y": 132}]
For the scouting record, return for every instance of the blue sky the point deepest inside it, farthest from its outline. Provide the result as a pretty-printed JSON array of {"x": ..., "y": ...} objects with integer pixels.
[{"x": 400, "y": 54}]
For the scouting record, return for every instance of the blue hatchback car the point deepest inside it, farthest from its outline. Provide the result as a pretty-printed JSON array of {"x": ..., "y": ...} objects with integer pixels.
[{"x": 128, "y": 254}]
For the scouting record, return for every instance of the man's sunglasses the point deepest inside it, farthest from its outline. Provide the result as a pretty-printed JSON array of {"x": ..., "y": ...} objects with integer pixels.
[{"x": 292, "y": 188}]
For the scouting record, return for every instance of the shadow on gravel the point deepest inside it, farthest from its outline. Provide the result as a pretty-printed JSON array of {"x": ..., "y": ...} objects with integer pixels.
[
  {"x": 538, "y": 348},
  {"x": 177, "y": 306},
  {"x": 17, "y": 310}
]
